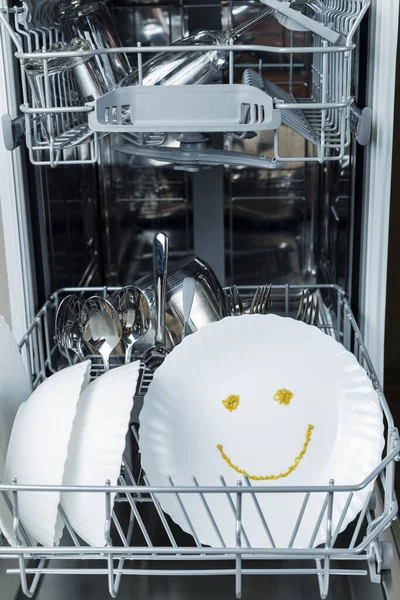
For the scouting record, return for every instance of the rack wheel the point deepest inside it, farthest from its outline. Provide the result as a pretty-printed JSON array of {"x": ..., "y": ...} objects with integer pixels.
[
  {"x": 387, "y": 556},
  {"x": 372, "y": 502}
]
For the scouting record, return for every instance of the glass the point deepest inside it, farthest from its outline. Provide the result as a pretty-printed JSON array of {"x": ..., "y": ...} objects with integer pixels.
[
  {"x": 184, "y": 68},
  {"x": 192, "y": 68},
  {"x": 92, "y": 21},
  {"x": 73, "y": 81}
]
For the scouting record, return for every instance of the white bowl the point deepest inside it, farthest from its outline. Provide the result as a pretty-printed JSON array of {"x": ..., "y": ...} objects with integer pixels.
[
  {"x": 183, "y": 421},
  {"x": 96, "y": 448},
  {"x": 15, "y": 388},
  {"x": 38, "y": 449}
]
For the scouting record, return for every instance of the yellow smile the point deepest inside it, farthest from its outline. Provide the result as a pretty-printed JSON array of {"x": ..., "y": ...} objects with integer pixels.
[{"x": 266, "y": 477}]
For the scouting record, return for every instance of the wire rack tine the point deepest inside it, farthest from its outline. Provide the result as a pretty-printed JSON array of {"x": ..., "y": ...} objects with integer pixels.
[
  {"x": 299, "y": 519},
  {"x": 68, "y": 526},
  {"x": 121, "y": 562},
  {"x": 210, "y": 515},
  {"x": 130, "y": 528},
  {"x": 107, "y": 535},
  {"x": 128, "y": 470},
  {"x": 15, "y": 513},
  {"x": 161, "y": 515},
  {"x": 233, "y": 509},
  {"x": 342, "y": 516},
  {"x": 118, "y": 527},
  {"x": 260, "y": 514},
  {"x": 238, "y": 561},
  {"x": 360, "y": 521},
  {"x": 136, "y": 512},
  {"x": 324, "y": 580},
  {"x": 185, "y": 515},
  {"x": 319, "y": 521}
]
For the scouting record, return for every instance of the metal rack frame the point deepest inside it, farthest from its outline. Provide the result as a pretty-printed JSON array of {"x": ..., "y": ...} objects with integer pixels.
[
  {"x": 370, "y": 555},
  {"x": 324, "y": 118}
]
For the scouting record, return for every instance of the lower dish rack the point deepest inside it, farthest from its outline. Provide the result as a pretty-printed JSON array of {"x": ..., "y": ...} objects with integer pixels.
[{"x": 140, "y": 539}]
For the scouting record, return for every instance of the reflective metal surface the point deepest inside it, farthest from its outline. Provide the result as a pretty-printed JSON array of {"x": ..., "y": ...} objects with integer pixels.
[
  {"x": 156, "y": 354},
  {"x": 209, "y": 303},
  {"x": 68, "y": 326},
  {"x": 101, "y": 327},
  {"x": 290, "y": 225},
  {"x": 134, "y": 314}
]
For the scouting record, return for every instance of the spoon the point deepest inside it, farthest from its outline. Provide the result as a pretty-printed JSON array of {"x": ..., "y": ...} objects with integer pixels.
[
  {"x": 101, "y": 327},
  {"x": 134, "y": 315},
  {"x": 68, "y": 328},
  {"x": 189, "y": 285}
]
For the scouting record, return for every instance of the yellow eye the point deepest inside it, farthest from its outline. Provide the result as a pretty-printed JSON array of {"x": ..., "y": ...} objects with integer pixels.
[
  {"x": 283, "y": 396},
  {"x": 231, "y": 402}
]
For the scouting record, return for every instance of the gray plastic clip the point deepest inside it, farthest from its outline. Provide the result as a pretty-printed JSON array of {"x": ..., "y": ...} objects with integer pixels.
[
  {"x": 13, "y": 131},
  {"x": 361, "y": 124}
]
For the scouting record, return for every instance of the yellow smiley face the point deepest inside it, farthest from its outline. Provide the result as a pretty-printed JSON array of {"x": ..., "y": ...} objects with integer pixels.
[{"x": 283, "y": 397}]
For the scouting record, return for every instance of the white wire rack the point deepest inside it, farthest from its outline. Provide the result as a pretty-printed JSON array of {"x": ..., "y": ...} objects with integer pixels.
[
  {"x": 141, "y": 540},
  {"x": 322, "y": 115}
]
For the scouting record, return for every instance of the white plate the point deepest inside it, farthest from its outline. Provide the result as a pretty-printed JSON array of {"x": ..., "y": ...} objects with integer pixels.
[
  {"x": 38, "y": 449},
  {"x": 96, "y": 448},
  {"x": 183, "y": 420},
  {"x": 14, "y": 389}
]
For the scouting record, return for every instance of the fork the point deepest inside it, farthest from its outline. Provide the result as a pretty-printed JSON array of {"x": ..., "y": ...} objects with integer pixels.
[
  {"x": 260, "y": 301},
  {"x": 308, "y": 311},
  {"x": 234, "y": 302}
]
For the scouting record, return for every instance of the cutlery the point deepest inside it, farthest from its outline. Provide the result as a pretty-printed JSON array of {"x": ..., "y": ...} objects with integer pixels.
[
  {"x": 210, "y": 304},
  {"x": 238, "y": 308},
  {"x": 308, "y": 311},
  {"x": 133, "y": 312},
  {"x": 234, "y": 301},
  {"x": 156, "y": 354},
  {"x": 189, "y": 286},
  {"x": 260, "y": 301},
  {"x": 68, "y": 328},
  {"x": 101, "y": 327}
]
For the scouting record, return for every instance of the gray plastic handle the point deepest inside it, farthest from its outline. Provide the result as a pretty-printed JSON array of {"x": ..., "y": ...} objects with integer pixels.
[{"x": 184, "y": 108}]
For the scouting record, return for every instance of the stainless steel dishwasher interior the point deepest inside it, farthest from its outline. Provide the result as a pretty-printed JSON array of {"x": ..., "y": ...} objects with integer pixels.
[{"x": 290, "y": 225}]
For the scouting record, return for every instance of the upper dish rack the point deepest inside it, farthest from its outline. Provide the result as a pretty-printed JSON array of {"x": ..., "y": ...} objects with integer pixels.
[{"x": 319, "y": 58}]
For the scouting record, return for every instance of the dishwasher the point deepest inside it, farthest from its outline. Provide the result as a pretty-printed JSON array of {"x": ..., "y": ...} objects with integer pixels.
[{"x": 258, "y": 136}]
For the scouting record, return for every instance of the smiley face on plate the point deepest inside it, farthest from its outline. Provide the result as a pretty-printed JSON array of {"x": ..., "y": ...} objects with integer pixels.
[{"x": 283, "y": 397}]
